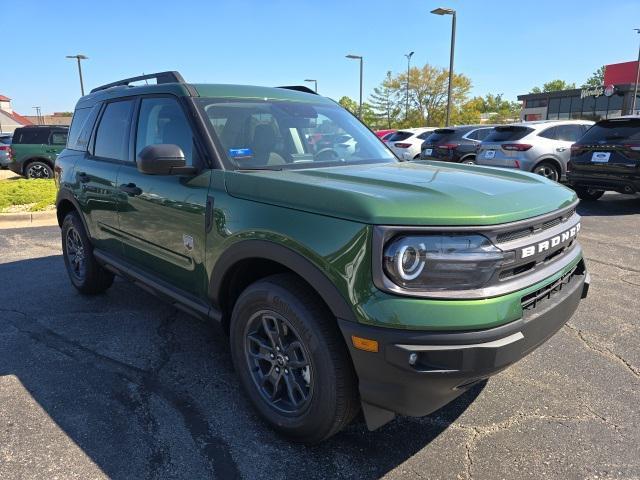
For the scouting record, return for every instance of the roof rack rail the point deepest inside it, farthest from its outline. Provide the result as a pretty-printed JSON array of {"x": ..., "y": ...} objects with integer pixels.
[
  {"x": 161, "y": 77},
  {"x": 299, "y": 88}
]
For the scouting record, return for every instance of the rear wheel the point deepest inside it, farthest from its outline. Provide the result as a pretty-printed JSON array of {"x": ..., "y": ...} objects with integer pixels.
[
  {"x": 38, "y": 169},
  {"x": 85, "y": 273},
  {"x": 547, "y": 170},
  {"x": 588, "y": 194},
  {"x": 469, "y": 160},
  {"x": 291, "y": 359}
]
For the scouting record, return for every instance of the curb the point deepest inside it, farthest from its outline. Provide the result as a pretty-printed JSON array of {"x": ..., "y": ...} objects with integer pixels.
[{"x": 28, "y": 219}]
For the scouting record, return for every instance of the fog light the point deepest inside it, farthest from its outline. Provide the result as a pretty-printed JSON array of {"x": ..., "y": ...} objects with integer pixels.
[{"x": 413, "y": 358}]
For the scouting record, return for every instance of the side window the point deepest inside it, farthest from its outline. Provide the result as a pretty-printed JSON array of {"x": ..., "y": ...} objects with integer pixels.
[
  {"x": 569, "y": 133},
  {"x": 482, "y": 133},
  {"x": 113, "y": 131},
  {"x": 162, "y": 120},
  {"x": 81, "y": 128},
  {"x": 549, "y": 133},
  {"x": 58, "y": 138},
  {"x": 424, "y": 135}
]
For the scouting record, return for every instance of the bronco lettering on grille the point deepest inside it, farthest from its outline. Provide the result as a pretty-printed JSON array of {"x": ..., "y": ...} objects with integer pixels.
[{"x": 552, "y": 242}]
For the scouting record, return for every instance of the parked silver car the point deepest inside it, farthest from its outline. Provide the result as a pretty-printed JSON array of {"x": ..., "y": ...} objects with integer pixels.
[
  {"x": 542, "y": 147},
  {"x": 5, "y": 149}
]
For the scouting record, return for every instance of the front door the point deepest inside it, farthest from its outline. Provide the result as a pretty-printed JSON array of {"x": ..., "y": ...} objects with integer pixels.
[{"x": 162, "y": 217}]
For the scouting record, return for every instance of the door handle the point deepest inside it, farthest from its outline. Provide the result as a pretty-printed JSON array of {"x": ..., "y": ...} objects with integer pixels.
[
  {"x": 130, "y": 189},
  {"x": 561, "y": 149},
  {"x": 83, "y": 177}
]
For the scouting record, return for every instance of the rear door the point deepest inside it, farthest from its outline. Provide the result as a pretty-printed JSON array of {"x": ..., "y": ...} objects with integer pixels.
[
  {"x": 96, "y": 173},
  {"x": 162, "y": 217},
  {"x": 564, "y": 136}
]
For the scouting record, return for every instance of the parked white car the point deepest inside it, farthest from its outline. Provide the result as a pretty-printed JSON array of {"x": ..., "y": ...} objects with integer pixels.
[
  {"x": 345, "y": 145},
  {"x": 406, "y": 143}
]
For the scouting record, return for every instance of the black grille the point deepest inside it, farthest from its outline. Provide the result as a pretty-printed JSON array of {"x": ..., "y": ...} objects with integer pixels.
[
  {"x": 535, "y": 299},
  {"x": 527, "y": 231}
]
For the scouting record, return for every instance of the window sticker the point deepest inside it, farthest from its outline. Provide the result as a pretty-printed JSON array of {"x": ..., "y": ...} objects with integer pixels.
[{"x": 240, "y": 153}]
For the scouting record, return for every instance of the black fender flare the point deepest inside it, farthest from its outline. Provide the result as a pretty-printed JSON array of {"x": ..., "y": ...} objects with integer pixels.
[
  {"x": 294, "y": 261},
  {"x": 66, "y": 195}
]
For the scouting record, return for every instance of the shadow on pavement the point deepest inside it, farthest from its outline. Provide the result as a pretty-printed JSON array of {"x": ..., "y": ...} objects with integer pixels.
[
  {"x": 611, "y": 204},
  {"x": 148, "y": 392}
]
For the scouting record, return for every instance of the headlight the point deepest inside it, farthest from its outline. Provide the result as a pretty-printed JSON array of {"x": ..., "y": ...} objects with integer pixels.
[{"x": 441, "y": 261}]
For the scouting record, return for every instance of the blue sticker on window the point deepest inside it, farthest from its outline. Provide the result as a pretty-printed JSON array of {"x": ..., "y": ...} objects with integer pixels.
[{"x": 240, "y": 152}]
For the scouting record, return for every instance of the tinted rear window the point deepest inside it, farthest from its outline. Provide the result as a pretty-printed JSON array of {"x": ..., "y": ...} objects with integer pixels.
[
  {"x": 31, "y": 136},
  {"x": 399, "y": 136},
  {"x": 5, "y": 140},
  {"x": 613, "y": 131},
  {"x": 441, "y": 135},
  {"x": 507, "y": 134}
]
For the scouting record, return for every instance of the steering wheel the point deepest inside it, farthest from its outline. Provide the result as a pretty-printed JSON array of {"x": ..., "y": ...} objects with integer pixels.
[{"x": 326, "y": 154}]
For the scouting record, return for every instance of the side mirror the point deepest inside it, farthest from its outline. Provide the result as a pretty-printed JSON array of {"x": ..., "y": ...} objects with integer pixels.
[{"x": 163, "y": 159}]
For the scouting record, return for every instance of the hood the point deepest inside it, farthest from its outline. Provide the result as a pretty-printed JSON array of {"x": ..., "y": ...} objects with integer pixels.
[{"x": 406, "y": 193}]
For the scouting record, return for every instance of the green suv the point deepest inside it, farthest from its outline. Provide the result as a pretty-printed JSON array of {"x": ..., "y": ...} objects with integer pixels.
[
  {"x": 34, "y": 149},
  {"x": 346, "y": 280}
]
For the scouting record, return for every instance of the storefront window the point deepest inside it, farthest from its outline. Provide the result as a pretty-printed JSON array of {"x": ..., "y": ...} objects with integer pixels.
[
  {"x": 588, "y": 106},
  {"x": 602, "y": 105},
  {"x": 615, "y": 106},
  {"x": 554, "y": 107},
  {"x": 576, "y": 107}
]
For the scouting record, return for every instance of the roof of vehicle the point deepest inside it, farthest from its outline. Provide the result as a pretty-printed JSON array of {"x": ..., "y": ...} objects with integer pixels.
[
  {"x": 31, "y": 127},
  {"x": 179, "y": 87},
  {"x": 416, "y": 129}
]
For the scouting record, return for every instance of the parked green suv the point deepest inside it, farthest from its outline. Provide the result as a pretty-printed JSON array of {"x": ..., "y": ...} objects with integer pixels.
[
  {"x": 345, "y": 280},
  {"x": 34, "y": 149}
]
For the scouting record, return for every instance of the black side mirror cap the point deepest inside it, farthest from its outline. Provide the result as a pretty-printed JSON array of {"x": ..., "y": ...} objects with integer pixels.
[{"x": 163, "y": 159}]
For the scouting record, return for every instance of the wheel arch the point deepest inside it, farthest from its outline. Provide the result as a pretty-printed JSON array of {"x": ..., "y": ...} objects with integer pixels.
[
  {"x": 26, "y": 162},
  {"x": 251, "y": 260},
  {"x": 552, "y": 160},
  {"x": 467, "y": 156},
  {"x": 66, "y": 203}
]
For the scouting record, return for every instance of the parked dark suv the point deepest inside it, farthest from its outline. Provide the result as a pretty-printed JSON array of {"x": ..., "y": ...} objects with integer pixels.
[
  {"x": 454, "y": 144},
  {"x": 607, "y": 157},
  {"x": 34, "y": 149},
  {"x": 345, "y": 279}
]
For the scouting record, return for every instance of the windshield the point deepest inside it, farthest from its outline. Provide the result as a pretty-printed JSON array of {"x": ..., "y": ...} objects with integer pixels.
[{"x": 283, "y": 134}]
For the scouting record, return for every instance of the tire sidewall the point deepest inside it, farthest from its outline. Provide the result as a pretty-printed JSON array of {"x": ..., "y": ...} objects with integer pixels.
[
  {"x": 549, "y": 165},
  {"x": 319, "y": 413}
]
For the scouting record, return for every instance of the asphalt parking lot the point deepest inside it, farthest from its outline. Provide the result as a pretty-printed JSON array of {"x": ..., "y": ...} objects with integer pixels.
[{"x": 123, "y": 386}]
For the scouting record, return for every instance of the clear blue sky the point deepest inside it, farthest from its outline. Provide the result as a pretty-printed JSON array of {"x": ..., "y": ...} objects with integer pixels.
[{"x": 503, "y": 46}]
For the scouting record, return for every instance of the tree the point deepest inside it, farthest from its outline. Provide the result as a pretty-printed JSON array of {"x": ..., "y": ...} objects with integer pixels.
[
  {"x": 596, "y": 79},
  {"x": 553, "y": 86},
  {"x": 384, "y": 102},
  {"x": 349, "y": 104},
  {"x": 500, "y": 111},
  {"x": 428, "y": 94}
]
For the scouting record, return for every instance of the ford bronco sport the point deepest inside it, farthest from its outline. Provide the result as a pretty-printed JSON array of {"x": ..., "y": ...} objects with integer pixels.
[
  {"x": 34, "y": 149},
  {"x": 344, "y": 280}
]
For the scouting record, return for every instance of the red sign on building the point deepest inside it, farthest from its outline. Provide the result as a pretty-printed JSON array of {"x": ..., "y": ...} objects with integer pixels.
[{"x": 619, "y": 73}]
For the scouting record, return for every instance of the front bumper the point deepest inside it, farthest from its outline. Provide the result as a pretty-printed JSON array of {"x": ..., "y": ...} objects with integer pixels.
[{"x": 414, "y": 373}]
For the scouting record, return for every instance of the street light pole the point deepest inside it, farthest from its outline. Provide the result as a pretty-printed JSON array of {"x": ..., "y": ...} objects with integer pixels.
[
  {"x": 635, "y": 90},
  {"x": 358, "y": 57},
  {"x": 78, "y": 58},
  {"x": 406, "y": 110},
  {"x": 315, "y": 82},
  {"x": 452, "y": 12},
  {"x": 38, "y": 116}
]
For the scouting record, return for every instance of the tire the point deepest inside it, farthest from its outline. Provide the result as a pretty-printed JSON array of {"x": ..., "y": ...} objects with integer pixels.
[
  {"x": 588, "y": 194},
  {"x": 38, "y": 169},
  {"x": 85, "y": 273},
  {"x": 307, "y": 399},
  {"x": 417, "y": 157},
  {"x": 469, "y": 161},
  {"x": 547, "y": 170}
]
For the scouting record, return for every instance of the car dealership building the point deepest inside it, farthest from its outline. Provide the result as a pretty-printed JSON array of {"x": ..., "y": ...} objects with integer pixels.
[{"x": 613, "y": 99}]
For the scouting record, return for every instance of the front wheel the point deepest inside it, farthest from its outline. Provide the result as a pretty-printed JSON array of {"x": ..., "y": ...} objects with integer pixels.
[
  {"x": 85, "y": 273},
  {"x": 38, "y": 169},
  {"x": 291, "y": 359},
  {"x": 588, "y": 194}
]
